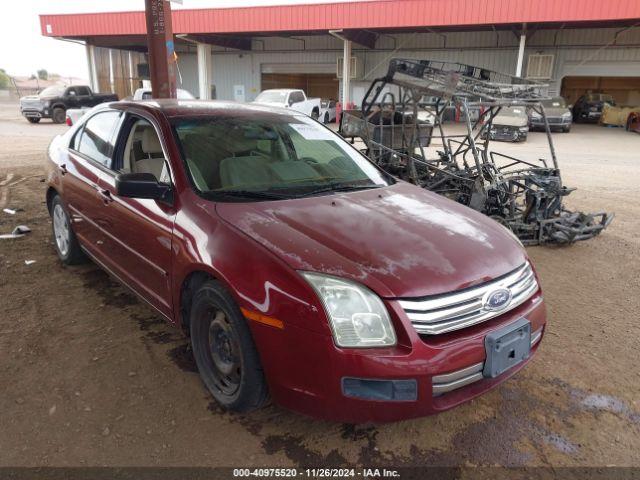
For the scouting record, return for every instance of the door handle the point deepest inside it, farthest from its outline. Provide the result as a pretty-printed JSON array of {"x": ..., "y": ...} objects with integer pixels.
[
  {"x": 105, "y": 195},
  {"x": 63, "y": 169}
]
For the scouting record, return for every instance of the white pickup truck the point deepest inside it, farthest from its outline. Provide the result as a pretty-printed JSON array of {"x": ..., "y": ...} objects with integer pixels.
[{"x": 290, "y": 98}]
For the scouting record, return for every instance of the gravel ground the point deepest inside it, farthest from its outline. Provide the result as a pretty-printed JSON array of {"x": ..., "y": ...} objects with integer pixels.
[{"x": 91, "y": 376}]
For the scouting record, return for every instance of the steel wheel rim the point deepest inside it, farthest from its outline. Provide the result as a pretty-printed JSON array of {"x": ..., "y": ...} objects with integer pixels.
[
  {"x": 224, "y": 351},
  {"x": 61, "y": 230}
]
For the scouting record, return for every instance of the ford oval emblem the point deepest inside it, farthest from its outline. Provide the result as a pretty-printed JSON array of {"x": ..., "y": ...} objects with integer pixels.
[{"x": 497, "y": 299}]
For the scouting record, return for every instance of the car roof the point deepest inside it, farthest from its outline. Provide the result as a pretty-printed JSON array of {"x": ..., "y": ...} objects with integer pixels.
[
  {"x": 281, "y": 90},
  {"x": 171, "y": 107}
]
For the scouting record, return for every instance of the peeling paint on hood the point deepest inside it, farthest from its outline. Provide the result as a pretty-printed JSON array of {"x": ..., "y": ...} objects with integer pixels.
[{"x": 400, "y": 241}]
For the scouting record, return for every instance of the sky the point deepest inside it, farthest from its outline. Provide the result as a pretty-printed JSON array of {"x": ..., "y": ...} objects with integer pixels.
[{"x": 23, "y": 49}]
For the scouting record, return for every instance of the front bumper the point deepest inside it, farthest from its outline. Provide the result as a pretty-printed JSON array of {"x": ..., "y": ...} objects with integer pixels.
[
  {"x": 35, "y": 112},
  {"x": 554, "y": 122},
  {"x": 309, "y": 375}
]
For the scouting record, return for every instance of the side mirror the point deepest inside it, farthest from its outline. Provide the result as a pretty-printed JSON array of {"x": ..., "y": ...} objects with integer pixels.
[{"x": 143, "y": 185}]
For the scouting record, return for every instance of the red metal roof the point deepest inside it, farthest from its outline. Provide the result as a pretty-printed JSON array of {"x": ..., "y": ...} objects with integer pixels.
[{"x": 374, "y": 14}]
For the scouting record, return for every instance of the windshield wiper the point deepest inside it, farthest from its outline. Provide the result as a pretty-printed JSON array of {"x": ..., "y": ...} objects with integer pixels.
[
  {"x": 251, "y": 194},
  {"x": 340, "y": 187}
]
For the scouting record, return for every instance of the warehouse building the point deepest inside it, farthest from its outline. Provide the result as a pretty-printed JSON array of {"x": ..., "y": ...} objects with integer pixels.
[{"x": 576, "y": 46}]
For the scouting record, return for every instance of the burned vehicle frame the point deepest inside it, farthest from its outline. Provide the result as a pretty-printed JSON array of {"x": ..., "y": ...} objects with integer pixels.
[{"x": 398, "y": 126}]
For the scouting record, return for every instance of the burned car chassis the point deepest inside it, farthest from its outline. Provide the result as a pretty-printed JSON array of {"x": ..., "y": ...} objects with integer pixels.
[{"x": 398, "y": 127}]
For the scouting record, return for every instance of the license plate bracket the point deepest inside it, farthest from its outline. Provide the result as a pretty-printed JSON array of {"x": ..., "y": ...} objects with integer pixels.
[{"x": 507, "y": 347}]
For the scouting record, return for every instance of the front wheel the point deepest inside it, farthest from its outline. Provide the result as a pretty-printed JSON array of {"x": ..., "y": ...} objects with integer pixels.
[
  {"x": 315, "y": 114},
  {"x": 33, "y": 119},
  {"x": 58, "y": 115},
  {"x": 224, "y": 350},
  {"x": 326, "y": 117}
]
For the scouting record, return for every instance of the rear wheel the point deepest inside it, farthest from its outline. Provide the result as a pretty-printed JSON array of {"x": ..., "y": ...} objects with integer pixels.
[
  {"x": 58, "y": 115},
  {"x": 65, "y": 240},
  {"x": 33, "y": 119},
  {"x": 224, "y": 350}
]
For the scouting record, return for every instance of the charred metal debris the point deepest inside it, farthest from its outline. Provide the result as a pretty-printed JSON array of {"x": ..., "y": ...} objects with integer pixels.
[{"x": 402, "y": 124}]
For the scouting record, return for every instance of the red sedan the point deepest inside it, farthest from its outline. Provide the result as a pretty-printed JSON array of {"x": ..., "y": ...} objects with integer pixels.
[{"x": 298, "y": 268}]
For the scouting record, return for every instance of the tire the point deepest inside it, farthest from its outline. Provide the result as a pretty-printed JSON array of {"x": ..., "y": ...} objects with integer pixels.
[
  {"x": 33, "y": 119},
  {"x": 58, "y": 115},
  {"x": 315, "y": 114},
  {"x": 224, "y": 351},
  {"x": 567, "y": 129},
  {"x": 326, "y": 118},
  {"x": 64, "y": 240}
]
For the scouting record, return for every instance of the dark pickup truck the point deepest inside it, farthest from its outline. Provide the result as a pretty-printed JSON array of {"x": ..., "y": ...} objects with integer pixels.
[{"x": 53, "y": 102}]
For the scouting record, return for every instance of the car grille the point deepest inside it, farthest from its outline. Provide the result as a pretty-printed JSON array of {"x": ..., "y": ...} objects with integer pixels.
[
  {"x": 31, "y": 104},
  {"x": 504, "y": 133},
  {"x": 554, "y": 120},
  {"x": 463, "y": 308}
]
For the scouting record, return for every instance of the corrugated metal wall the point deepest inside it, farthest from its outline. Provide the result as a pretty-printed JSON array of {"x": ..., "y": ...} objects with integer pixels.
[{"x": 577, "y": 52}]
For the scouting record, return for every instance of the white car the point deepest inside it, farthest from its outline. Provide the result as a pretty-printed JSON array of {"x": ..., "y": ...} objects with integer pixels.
[
  {"x": 145, "y": 94},
  {"x": 75, "y": 114},
  {"x": 290, "y": 98},
  {"x": 327, "y": 111}
]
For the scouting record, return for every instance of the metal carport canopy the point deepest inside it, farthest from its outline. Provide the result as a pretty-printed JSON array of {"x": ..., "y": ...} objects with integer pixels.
[{"x": 376, "y": 14}]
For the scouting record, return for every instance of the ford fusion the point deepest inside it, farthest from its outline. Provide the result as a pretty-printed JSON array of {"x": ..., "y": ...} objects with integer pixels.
[{"x": 300, "y": 271}]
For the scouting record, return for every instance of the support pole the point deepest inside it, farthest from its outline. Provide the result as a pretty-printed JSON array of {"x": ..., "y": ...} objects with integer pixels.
[
  {"x": 112, "y": 81},
  {"x": 204, "y": 71},
  {"x": 91, "y": 66},
  {"x": 162, "y": 63},
  {"x": 523, "y": 40},
  {"x": 131, "y": 85},
  {"x": 346, "y": 73}
]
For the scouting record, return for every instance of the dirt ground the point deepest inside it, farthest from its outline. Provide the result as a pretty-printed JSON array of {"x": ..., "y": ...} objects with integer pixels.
[{"x": 90, "y": 376}]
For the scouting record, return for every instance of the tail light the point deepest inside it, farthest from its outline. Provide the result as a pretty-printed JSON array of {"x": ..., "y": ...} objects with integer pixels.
[{"x": 68, "y": 121}]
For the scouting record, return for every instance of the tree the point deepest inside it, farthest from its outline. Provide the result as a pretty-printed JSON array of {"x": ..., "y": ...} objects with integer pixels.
[
  {"x": 4, "y": 79},
  {"x": 43, "y": 74}
]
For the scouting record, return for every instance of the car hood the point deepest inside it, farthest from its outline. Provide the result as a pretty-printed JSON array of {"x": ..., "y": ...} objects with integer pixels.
[
  {"x": 511, "y": 120},
  {"x": 400, "y": 241}
]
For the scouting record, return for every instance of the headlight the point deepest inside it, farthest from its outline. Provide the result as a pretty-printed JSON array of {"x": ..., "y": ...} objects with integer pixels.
[
  {"x": 566, "y": 115},
  {"x": 524, "y": 129},
  {"x": 536, "y": 115},
  {"x": 357, "y": 316}
]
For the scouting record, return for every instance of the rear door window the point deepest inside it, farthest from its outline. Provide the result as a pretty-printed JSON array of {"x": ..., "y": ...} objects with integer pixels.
[
  {"x": 296, "y": 97},
  {"x": 97, "y": 140}
]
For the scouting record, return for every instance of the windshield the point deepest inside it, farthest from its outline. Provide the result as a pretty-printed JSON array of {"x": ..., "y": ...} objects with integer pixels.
[
  {"x": 52, "y": 91},
  {"x": 272, "y": 96},
  {"x": 271, "y": 155},
  {"x": 554, "y": 103}
]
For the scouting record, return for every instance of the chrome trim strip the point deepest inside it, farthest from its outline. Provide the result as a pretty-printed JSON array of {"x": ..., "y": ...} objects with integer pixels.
[
  {"x": 456, "y": 375},
  {"x": 439, "y": 389},
  {"x": 444, "y": 313},
  {"x": 535, "y": 337}
]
